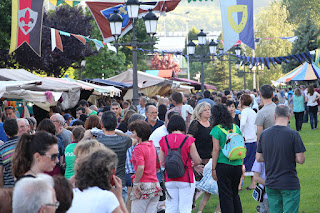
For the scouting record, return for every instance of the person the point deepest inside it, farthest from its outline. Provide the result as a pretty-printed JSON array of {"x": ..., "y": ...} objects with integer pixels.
[
  {"x": 77, "y": 135},
  {"x": 152, "y": 117},
  {"x": 283, "y": 147},
  {"x": 290, "y": 100},
  {"x": 93, "y": 121},
  {"x": 180, "y": 189},
  {"x": 312, "y": 104},
  {"x": 142, "y": 105},
  {"x": 200, "y": 128},
  {"x": 35, "y": 154},
  {"x": 6, "y": 199},
  {"x": 116, "y": 108},
  {"x": 24, "y": 127},
  {"x": 95, "y": 178},
  {"x": 146, "y": 188},
  {"x": 259, "y": 176},
  {"x": 298, "y": 108},
  {"x": 306, "y": 112},
  {"x": 226, "y": 172},
  {"x": 177, "y": 100},
  {"x": 249, "y": 131},
  {"x": 83, "y": 103},
  {"x": 6, "y": 152},
  {"x": 10, "y": 112},
  {"x": 231, "y": 106},
  {"x": 79, "y": 111},
  {"x": 64, "y": 193},
  {"x": 123, "y": 126},
  {"x": 162, "y": 110},
  {"x": 206, "y": 95},
  {"x": 64, "y": 134},
  {"x": 36, "y": 194},
  {"x": 265, "y": 116},
  {"x": 68, "y": 118}
]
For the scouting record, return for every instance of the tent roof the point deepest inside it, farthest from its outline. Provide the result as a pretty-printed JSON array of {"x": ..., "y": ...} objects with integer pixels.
[
  {"x": 304, "y": 72},
  {"x": 161, "y": 73},
  {"x": 144, "y": 79},
  {"x": 195, "y": 84},
  {"x": 47, "y": 84},
  {"x": 108, "y": 83}
]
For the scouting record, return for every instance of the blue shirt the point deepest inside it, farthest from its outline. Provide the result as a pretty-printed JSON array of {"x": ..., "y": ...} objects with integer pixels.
[
  {"x": 3, "y": 135},
  {"x": 298, "y": 103},
  {"x": 211, "y": 102}
]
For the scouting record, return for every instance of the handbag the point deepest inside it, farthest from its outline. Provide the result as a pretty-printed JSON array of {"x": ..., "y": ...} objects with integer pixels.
[{"x": 258, "y": 193}]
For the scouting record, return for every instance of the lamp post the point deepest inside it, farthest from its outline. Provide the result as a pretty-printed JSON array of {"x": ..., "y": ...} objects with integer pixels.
[
  {"x": 150, "y": 20},
  {"x": 191, "y": 48},
  {"x": 238, "y": 64}
]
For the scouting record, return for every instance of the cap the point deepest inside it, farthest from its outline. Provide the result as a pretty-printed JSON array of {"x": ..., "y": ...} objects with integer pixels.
[{"x": 67, "y": 116}]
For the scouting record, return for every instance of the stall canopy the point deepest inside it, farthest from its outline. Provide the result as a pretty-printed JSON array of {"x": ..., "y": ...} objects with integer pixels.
[
  {"x": 161, "y": 73},
  {"x": 44, "y": 93},
  {"x": 304, "y": 72},
  {"x": 104, "y": 82},
  {"x": 195, "y": 84}
]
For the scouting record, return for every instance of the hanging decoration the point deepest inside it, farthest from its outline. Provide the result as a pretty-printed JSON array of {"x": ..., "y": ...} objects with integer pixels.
[
  {"x": 58, "y": 2},
  {"x": 56, "y": 40},
  {"x": 26, "y": 24}
]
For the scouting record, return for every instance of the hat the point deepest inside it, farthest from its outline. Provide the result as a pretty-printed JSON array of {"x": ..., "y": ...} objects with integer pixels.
[{"x": 67, "y": 116}]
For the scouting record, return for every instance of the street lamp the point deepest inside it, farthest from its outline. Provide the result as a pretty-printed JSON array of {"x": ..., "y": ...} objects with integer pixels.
[
  {"x": 191, "y": 48},
  {"x": 213, "y": 47},
  {"x": 150, "y": 20}
]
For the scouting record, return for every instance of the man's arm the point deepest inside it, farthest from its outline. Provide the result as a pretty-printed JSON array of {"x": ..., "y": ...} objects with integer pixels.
[
  {"x": 1, "y": 176},
  {"x": 259, "y": 157},
  {"x": 259, "y": 131},
  {"x": 300, "y": 157}
]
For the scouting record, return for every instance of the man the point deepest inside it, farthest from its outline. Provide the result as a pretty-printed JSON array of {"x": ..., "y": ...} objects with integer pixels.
[
  {"x": 265, "y": 117},
  {"x": 24, "y": 126},
  {"x": 116, "y": 108},
  {"x": 118, "y": 143},
  {"x": 68, "y": 118},
  {"x": 64, "y": 134},
  {"x": 142, "y": 105},
  {"x": 280, "y": 148},
  {"x": 206, "y": 98},
  {"x": 152, "y": 117},
  {"x": 32, "y": 195},
  {"x": 177, "y": 101},
  {"x": 10, "y": 112},
  {"x": 79, "y": 111},
  {"x": 83, "y": 103},
  {"x": 6, "y": 152}
]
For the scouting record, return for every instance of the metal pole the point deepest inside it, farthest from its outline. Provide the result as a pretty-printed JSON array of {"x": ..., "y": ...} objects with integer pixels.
[
  {"x": 202, "y": 74},
  {"x": 254, "y": 72},
  {"x": 244, "y": 78},
  {"x": 230, "y": 85},
  {"x": 135, "y": 97}
]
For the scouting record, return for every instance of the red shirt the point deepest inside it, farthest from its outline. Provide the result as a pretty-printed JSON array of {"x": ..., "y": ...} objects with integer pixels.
[
  {"x": 175, "y": 141},
  {"x": 145, "y": 154}
]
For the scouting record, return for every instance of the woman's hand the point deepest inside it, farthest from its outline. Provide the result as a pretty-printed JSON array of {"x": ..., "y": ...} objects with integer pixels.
[
  {"x": 117, "y": 190},
  {"x": 214, "y": 175},
  {"x": 199, "y": 169},
  {"x": 137, "y": 191}
]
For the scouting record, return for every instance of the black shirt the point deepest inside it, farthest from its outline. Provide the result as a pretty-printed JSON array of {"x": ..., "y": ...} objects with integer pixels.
[
  {"x": 279, "y": 146},
  {"x": 203, "y": 139}
]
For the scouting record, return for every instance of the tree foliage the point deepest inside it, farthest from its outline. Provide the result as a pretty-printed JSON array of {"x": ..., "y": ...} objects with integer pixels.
[
  {"x": 164, "y": 62},
  {"x": 5, "y": 25}
]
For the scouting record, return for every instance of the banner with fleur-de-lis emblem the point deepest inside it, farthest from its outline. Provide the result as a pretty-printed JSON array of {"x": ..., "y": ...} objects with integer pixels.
[{"x": 26, "y": 24}]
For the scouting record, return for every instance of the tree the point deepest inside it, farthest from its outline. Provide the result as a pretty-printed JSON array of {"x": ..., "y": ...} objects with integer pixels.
[
  {"x": 165, "y": 62},
  {"x": 55, "y": 63},
  {"x": 308, "y": 36},
  {"x": 5, "y": 26}
]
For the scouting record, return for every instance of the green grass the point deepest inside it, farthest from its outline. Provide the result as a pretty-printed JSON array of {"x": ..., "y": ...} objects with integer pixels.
[{"x": 308, "y": 173}]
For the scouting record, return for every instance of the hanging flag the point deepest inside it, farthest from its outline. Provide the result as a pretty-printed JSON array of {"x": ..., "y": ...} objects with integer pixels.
[
  {"x": 102, "y": 11},
  {"x": 317, "y": 60},
  {"x": 80, "y": 38},
  {"x": 26, "y": 24},
  {"x": 237, "y": 22},
  {"x": 56, "y": 40},
  {"x": 56, "y": 2},
  {"x": 72, "y": 3}
]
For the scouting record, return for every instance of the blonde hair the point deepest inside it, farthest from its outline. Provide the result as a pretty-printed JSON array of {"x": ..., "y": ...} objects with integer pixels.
[
  {"x": 86, "y": 147},
  {"x": 199, "y": 109}
]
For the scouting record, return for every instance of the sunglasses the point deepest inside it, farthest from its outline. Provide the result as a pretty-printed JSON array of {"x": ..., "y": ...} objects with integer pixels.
[{"x": 53, "y": 157}]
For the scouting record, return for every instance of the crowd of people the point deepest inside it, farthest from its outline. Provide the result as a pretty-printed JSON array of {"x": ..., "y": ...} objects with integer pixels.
[{"x": 157, "y": 156}]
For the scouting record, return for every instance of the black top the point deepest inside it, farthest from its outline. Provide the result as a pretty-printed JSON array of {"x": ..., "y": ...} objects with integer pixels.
[
  {"x": 236, "y": 120},
  {"x": 279, "y": 146},
  {"x": 203, "y": 138},
  {"x": 123, "y": 126}
]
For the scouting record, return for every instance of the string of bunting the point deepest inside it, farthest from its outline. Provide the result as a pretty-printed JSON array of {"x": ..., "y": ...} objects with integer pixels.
[{"x": 58, "y": 2}]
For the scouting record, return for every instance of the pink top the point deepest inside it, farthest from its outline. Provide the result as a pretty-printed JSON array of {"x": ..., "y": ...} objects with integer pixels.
[
  {"x": 175, "y": 141},
  {"x": 145, "y": 154}
]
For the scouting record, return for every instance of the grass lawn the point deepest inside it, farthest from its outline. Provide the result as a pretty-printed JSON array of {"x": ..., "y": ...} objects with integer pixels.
[{"x": 308, "y": 173}]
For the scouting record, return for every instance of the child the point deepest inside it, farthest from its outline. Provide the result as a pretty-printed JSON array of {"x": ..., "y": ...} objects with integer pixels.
[{"x": 259, "y": 176}]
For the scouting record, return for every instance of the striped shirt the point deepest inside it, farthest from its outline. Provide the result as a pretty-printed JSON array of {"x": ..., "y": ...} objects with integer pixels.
[{"x": 6, "y": 152}]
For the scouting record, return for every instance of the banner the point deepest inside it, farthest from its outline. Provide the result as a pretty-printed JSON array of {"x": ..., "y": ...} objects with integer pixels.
[
  {"x": 101, "y": 11},
  {"x": 26, "y": 24},
  {"x": 237, "y": 22}
]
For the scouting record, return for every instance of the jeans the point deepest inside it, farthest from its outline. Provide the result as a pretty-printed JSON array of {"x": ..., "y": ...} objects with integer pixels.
[
  {"x": 181, "y": 197},
  {"x": 306, "y": 113},
  {"x": 299, "y": 120},
  {"x": 313, "y": 110},
  {"x": 228, "y": 181},
  {"x": 125, "y": 194}
]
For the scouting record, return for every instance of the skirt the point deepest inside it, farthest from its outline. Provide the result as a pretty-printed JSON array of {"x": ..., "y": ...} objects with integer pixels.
[
  {"x": 251, "y": 155},
  {"x": 149, "y": 190}
]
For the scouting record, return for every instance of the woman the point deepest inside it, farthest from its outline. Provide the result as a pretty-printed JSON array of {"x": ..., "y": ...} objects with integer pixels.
[
  {"x": 123, "y": 126},
  {"x": 162, "y": 110},
  {"x": 93, "y": 121},
  {"x": 35, "y": 154},
  {"x": 77, "y": 135},
  {"x": 249, "y": 130},
  {"x": 312, "y": 97},
  {"x": 180, "y": 189},
  {"x": 231, "y": 106},
  {"x": 298, "y": 108},
  {"x": 95, "y": 178},
  {"x": 227, "y": 173},
  {"x": 146, "y": 188}
]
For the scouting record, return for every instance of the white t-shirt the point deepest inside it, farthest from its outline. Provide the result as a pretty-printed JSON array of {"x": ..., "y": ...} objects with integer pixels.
[
  {"x": 93, "y": 200},
  {"x": 311, "y": 99},
  {"x": 247, "y": 125},
  {"x": 157, "y": 134},
  {"x": 185, "y": 110}
]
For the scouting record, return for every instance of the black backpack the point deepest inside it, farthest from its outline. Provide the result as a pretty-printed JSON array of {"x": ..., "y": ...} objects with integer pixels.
[{"x": 173, "y": 162}]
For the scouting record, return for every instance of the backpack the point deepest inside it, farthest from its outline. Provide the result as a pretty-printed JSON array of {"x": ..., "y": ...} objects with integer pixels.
[
  {"x": 234, "y": 148},
  {"x": 173, "y": 162}
]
